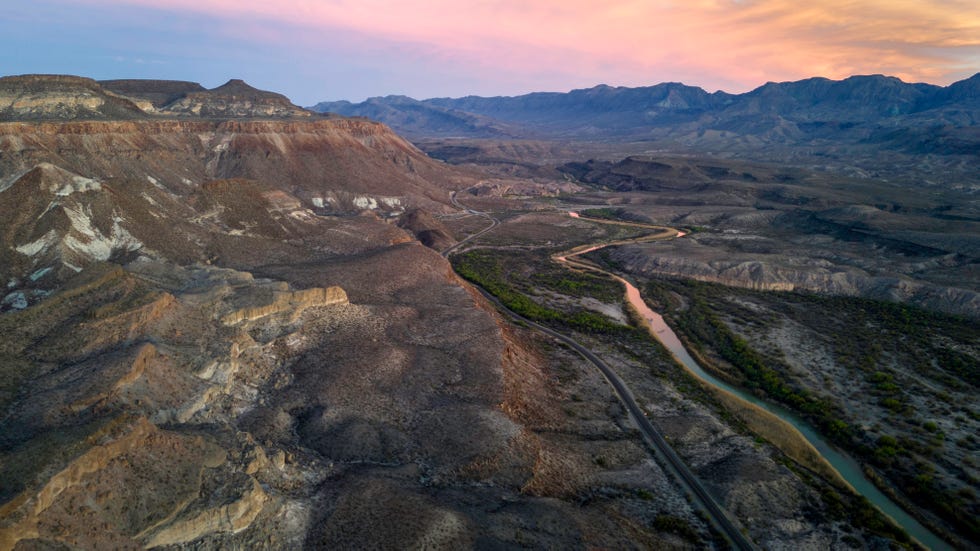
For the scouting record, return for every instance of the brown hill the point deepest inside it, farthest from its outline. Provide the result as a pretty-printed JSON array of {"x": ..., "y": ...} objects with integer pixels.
[
  {"x": 65, "y": 97},
  {"x": 324, "y": 162},
  {"x": 427, "y": 229},
  {"x": 158, "y": 92},
  {"x": 45, "y": 97},
  {"x": 236, "y": 99},
  {"x": 78, "y": 193}
]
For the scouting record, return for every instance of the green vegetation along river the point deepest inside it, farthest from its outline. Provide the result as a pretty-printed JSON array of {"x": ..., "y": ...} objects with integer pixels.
[{"x": 847, "y": 467}]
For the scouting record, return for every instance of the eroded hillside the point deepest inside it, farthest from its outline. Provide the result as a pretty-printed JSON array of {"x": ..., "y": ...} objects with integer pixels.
[{"x": 214, "y": 334}]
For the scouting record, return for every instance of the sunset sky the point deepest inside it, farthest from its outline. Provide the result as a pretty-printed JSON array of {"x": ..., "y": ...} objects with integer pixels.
[{"x": 314, "y": 50}]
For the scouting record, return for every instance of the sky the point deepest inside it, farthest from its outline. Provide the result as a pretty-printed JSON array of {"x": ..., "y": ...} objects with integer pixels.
[{"x": 315, "y": 50}]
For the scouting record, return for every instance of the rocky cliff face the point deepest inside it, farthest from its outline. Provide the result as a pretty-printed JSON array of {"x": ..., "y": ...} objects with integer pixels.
[
  {"x": 221, "y": 148},
  {"x": 289, "y": 302},
  {"x": 769, "y": 227},
  {"x": 166, "y": 192},
  {"x": 104, "y": 391},
  {"x": 234, "y": 99},
  {"x": 332, "y": 165},
  {"x": 790, "y": 271},
  {"x": 65, "y": 97},
  {"x": 157, "y": 93},
  {"x": 46, "y": 97}
]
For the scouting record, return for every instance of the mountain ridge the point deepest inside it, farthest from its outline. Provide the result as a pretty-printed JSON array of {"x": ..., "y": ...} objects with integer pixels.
[
  {"x": 865, "y": 125},
  {"x": 678, "y": 111},
  {"x": 39, "y": 97}
]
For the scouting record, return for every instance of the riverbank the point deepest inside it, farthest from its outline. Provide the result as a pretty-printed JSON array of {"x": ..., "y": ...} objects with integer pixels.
[{"x": 799, "y": 440}]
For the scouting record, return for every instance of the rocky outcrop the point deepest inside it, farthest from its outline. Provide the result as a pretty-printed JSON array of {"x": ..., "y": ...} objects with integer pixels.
[
  {"x": 64, "y": 97},
  {"x": 156, "y": 93},
  {"x": 234, "y": 99},
  {"x": 232, "y": 517},
  {"x": 293, "y": 302},
  {"x": 162, "y": 467},
  {"x": 790, "y": 273},
  {"x": 427, "y": 229},
  {"x": 46, "y": 97},
  {"x": 82, "y": 192},
  {"x": 84, "y": 459},
  {"x": 316, "y": 157},
  {"x": 59, "y": 222}
]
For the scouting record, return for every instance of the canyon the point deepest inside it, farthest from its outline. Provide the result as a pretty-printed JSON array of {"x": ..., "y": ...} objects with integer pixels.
[{"x": 229, "y": 321}]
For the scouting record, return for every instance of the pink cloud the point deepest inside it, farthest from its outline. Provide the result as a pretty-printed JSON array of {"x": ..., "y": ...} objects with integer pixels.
[{"x": 739, "y": 44}]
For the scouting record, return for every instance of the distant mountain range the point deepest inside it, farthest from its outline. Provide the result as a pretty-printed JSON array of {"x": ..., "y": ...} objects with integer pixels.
[{"x": 917, "y": 118}]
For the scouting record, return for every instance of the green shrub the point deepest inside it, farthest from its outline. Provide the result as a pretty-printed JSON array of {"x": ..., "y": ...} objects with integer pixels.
[{"x": 676, "y": 525}]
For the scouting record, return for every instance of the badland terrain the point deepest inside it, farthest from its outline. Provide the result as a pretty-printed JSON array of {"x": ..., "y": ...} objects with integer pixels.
[{"x": 226, "y": 320}]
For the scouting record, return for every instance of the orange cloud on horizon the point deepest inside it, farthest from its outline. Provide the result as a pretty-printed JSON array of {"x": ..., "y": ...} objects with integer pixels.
[{"x": 737, "y": 44}]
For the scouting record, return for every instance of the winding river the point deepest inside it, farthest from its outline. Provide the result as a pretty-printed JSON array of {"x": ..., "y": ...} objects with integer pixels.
[{"x": 847, "y": 467}]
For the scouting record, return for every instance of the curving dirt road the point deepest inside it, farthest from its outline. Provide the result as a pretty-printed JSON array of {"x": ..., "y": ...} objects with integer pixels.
[{"x": 493, "y": 224}]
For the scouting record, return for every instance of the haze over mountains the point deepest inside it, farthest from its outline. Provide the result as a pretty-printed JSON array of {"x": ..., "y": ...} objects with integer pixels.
[
  {"x": 805, "y": 120},
  {"x": 793, "y": 110}
]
